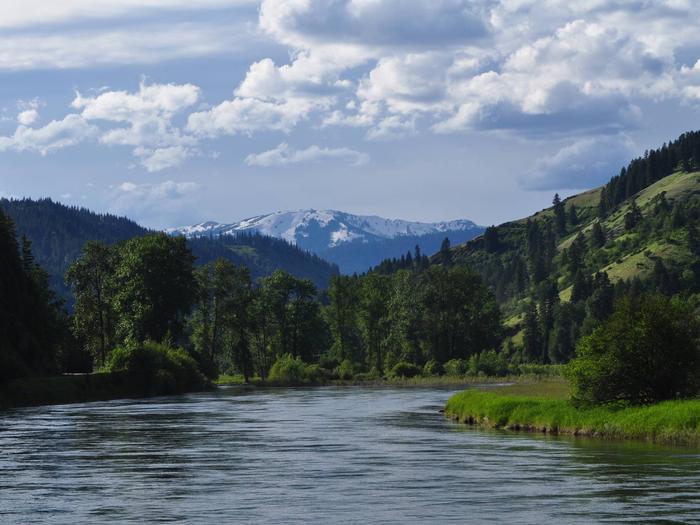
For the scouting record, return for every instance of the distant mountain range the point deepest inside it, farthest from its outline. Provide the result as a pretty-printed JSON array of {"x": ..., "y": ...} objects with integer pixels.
[
  {"x": 58, "y": 233},
  {"x": 353, "y": 242}
]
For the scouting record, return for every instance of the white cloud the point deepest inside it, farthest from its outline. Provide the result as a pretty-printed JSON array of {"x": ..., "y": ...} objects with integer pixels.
[
  {"x": 582, "y": 164},
  {"x": 422, "y": 23},
  {"x": 164, "y": 190},
  {"x": 28, "y": 117},
  {"x": 249, "y": 115},
  {"x": 284, "y": 155},
  {"x": 162, "y": 158},
  {"x": 55, "y": 135},
  {"x": 33, "y": 12},
  {"x": 161, "y": 100},
  {"x": 148, "y": 115},
  {"x": 147, "y": 44}
]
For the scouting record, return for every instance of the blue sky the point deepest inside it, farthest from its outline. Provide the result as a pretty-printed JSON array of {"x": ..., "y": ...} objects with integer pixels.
[{"x": 173, "y": 111}]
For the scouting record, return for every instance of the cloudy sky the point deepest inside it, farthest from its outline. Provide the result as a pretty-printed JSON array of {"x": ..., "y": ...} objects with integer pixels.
[{"x": 177, "y": 111}]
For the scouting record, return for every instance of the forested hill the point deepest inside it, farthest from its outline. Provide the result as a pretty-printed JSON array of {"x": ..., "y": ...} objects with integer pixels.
[
  {"x": 58, "y": 233},
  {"x": 557, "y": 272}
]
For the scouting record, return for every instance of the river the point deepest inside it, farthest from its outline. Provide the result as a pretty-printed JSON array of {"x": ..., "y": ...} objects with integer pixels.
[{"x": 322, "y": 455}]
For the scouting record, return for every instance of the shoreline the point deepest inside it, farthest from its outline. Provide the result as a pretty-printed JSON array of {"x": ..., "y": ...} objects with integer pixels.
[
  {"x": 72, "y": 389},
  {"x": 669, "y": 422},
  {"x": 103, "y": 386}
]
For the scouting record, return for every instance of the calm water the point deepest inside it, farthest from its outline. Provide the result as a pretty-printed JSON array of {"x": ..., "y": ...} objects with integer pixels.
[{"x": 349, "y": 455}]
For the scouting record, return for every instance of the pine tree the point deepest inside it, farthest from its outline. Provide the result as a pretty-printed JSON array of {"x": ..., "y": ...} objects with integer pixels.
[
  {"x": 491, "y": 243},
  {"x": 559, "y": 215},
  {"x": 633, "y": 216},
  {"x": 573, "y": 215},
  {"x": 445, "y": 252},
  {"x": 597, "y": 236},
  {"x": 532, "y": 338}
]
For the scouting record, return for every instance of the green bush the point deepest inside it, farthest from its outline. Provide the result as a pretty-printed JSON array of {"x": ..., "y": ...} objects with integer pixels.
[
  {"x": 647, "y": 351},
  {"x": 456, "y": 367},
  {"x": 291, "y": 371},
  {"x": 346, "y": 370},
  {"x": 433, "y": 368},
  {"x": 489, "y": 363},
  {"x": 405, "y": 369},
  {"x": 155, "y": 368}
]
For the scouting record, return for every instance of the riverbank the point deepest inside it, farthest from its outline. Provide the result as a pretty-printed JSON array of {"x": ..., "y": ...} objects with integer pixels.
[
  {"x": 545, "y": 408},
  {"x": 418, "y": 381},
  {"x": 80, "y": 388}
]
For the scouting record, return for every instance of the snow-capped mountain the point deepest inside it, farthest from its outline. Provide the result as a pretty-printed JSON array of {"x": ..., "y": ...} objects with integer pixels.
[{"x": 355, "y": 242}]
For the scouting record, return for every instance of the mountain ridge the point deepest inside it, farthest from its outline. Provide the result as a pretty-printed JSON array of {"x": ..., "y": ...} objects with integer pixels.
[{"x": 354, "y": 242}]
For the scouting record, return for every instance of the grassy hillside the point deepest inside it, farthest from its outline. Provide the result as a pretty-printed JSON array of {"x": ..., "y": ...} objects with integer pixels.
[{"x": 648, "y": 242}]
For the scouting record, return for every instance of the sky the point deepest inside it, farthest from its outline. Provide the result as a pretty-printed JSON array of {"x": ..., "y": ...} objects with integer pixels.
[{"x": 173, "y": 112}]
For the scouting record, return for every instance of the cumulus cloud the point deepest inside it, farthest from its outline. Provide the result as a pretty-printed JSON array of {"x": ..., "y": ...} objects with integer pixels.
[
  {"x": 249, "y": 115},
  {"x": 145, "y": 119},
  {"x": 284, "y": 155},
  {"x": 420, "y": 23},
  {"x": 582, "y": 164},
  {"x": 55, "y": 135},
  {"x": 525, "y": 67},
  {"x": 536, "y": 69}
]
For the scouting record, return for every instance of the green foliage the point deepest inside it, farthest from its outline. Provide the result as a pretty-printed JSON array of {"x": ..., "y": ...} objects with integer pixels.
[
  {"x": 34, "y": 335},
  {"x": 488, "y": 363},
  {"x": 405, "y": 369},
  {"x": 346, "y": 370},
  {"x": 156, "y": 368},
  {"x": 291, "y": 371},
  {"x": 645, "y": 352},
  {"x": 433, "y": 368},
  {"x": 456, "y": 367},
  {"x": 221, "y": 321},
  {"x": 154, "y": 288},
  {"x": 91, "y": 280}
]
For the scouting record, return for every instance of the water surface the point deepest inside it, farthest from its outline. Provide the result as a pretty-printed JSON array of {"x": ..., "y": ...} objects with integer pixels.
[{"x": 325, "y": 455}]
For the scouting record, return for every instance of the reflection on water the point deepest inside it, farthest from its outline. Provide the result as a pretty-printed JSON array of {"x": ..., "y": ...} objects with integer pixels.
[{"x": 319, "y": 456}]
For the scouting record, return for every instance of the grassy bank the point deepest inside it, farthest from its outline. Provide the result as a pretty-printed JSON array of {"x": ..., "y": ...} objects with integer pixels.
[
  {"x": 59, "y": 390},
  {"x": 545, "y": 408},
  {"x": 419, "y": 381}
]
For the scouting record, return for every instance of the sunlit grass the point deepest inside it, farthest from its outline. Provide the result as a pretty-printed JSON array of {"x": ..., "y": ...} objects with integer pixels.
[{"x": 545, "y": 408}]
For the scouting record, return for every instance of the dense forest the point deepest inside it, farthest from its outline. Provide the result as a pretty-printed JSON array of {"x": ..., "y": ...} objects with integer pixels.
[
  {"x": 525, "y": 292},
  {"x": 58, "y": 233}
]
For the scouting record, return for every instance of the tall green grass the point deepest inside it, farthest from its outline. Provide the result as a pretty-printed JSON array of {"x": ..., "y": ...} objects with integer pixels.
[{"x": 667, "y": 422}]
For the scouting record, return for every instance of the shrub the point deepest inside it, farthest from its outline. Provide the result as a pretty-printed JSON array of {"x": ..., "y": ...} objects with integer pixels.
[
  {"x": 489, "y": 363},
  {"x": 155, "y": 368},
  {"x": 455, "y": 367},
  {"x": 433, "y": 368},
  {"x": 291, "y": 371},
  {"x": 647, "y": 351},
  {"x": 346, "y": 370},
  {"x": 405, "y": 369}
]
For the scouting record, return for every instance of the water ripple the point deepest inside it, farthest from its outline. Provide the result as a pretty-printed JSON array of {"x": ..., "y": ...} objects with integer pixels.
[{"x": 341, "y": 455}]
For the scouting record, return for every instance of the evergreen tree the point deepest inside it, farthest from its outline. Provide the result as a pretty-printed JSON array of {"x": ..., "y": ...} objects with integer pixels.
[
  {"x": 573, "y": 215},
  {"x": 532, "y": 338},
  {"x": 597, "y": 236},
  {"x": 491, "y": 243},
  {"x": 559, "y": 215},
  {"x": 445, "y": 252},
  {"x": 633, "y": 216}
]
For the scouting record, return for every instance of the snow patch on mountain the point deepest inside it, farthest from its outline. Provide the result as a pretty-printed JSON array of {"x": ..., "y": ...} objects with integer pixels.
[{"x": 319, "y": 229}]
